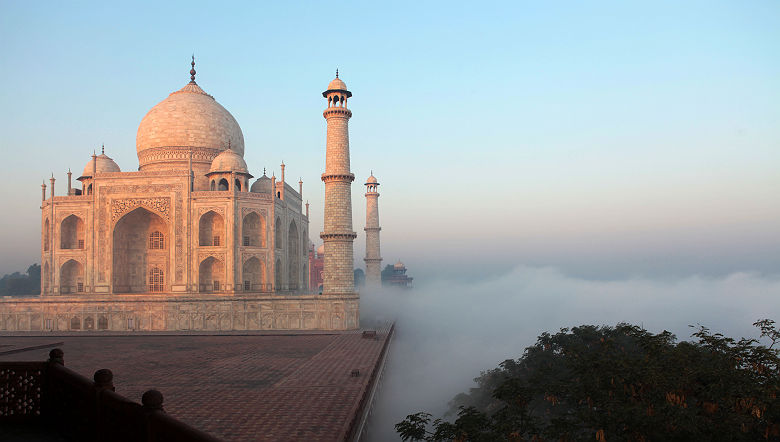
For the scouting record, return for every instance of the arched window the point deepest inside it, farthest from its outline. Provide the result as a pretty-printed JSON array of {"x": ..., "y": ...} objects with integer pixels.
[
  {"x": 156, "y": 280},
  {"x": 278, "y": 275},
  {"x": 89, "y": 190},
  {"x": 253, "y": 230},
  {"x": 75, "y": 323},
  {"x": 46, "y": 277},
  {"x": 102, "y": 323},
  {"x": 156, "y": 240},
  {"x": 211, "y": 229},
  {"x": 46, "y": 235},
  {"x": 293, "y": 261},
  {"x": 238, "y": 185},
  {"x": 213, "y": 185},
  {"x": 223, "y": 184},
  {"x": 278, "y": 233},
  {"x": 72, "y": 233},
  {"x": 89, "y": 323}
]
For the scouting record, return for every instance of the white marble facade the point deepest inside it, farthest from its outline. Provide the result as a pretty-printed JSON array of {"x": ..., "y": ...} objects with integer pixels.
[{"x": 189, "y": 231}]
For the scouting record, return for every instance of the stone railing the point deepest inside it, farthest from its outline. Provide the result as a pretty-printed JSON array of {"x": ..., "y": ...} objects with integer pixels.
[
  {"x": 356, "y": 426},
  {"x": 51, "y": 396}
]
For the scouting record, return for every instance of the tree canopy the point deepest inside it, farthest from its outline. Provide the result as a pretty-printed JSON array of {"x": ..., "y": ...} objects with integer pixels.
[
  {"x": 620, "y": 383},
  {"x": 20, "y": 284}
]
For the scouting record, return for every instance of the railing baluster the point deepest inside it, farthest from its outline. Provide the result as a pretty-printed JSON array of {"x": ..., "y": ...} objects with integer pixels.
[{"x": 83, "y": 410}]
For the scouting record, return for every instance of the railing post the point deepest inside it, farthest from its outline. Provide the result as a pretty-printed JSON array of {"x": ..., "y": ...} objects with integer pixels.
[
  {"x": 104, "y": 380},
  {"x": 48, "y": 402},
  {"x": 56, "y": 356},
  {"x": 152, "y": 402}
]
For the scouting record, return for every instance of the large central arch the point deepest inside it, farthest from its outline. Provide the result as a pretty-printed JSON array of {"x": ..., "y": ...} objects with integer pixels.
[{"x": 141, "y": 241}]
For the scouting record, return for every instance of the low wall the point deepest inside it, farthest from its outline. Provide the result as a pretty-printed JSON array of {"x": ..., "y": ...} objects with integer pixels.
[{"x": 170, "y": 312}]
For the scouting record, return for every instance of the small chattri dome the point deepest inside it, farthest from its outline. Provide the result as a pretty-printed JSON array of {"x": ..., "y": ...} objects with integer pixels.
[
  {"x": 262, "y": 185},
  {"x": 337, "y": 85},
  {"x": 321, "y": 250},
  {"x": 399, "y": 265},
  {"x": 103, "y": 164},
  {"x": 228, "y": 161},
  {"x": 372, "y": 180}
]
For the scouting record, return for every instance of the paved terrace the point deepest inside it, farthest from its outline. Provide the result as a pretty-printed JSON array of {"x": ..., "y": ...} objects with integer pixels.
[{"x": 276, "y": 387}]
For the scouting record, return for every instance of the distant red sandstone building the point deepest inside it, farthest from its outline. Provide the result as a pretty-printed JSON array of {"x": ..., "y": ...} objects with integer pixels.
[
  {"x": 395, "y": 276},
  {"x": 316, "y": 265}
]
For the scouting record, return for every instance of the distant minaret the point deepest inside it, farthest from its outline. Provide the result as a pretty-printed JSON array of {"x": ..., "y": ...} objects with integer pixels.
[
  {"x": 337, "y": 235},
  {"x": 373, "y": 259}
]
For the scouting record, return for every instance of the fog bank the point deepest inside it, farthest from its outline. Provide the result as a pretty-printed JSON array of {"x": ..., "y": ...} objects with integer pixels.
[{"x": 447, "y": 332}]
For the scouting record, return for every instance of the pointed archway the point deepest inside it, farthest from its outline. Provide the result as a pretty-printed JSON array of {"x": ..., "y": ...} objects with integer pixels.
[
  {"x": 71, "y": 277},
  {"x": 293, "y": 259},
  {"x": 141, "y": 243},
  {"x": 211, "y": 275},
  {"x": 253, "y": 272}
]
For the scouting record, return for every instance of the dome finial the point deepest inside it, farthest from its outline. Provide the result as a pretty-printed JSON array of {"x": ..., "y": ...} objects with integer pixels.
[
  {"x": 103, "y": 148},
  {"x": 192, "y": 71},
  {"x": 229, "y": 146},
  {"x": 337, "y": 72}
]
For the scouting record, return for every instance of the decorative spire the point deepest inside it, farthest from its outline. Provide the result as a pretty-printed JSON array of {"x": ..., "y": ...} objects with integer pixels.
[
  {"x": 192, "y": 71},
  {"x": 103, "y": 149},
  {"x": 229, "y": 147},
  {"x": 337, "y": 72},
  {"x": 263, "y": 171}
]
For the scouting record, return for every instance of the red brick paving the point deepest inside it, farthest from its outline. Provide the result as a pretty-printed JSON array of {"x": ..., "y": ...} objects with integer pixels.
[{"x": 295, "y": 387}]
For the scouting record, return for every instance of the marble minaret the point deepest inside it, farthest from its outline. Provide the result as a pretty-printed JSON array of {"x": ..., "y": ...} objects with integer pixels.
[
  {"x": 337, "y": 237},
  {"x": 373, "y": 259}
]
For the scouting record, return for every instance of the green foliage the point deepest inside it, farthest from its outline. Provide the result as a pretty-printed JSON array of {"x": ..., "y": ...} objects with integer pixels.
[
  {"x": 621, "y": 383},
  {"x": 18, "y": 284}
]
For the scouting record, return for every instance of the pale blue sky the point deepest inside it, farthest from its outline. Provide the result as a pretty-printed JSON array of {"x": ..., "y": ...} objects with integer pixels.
[{"x": 605, "y": 138}]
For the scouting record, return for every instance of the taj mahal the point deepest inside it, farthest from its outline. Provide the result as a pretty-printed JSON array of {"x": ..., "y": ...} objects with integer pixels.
[{"x": 189, "y": 241}]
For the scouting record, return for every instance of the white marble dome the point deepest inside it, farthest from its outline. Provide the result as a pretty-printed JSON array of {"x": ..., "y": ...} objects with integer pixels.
[
  {"x": 103, "y": 164},
  {"x": 229, "y": 161},
  {"x": 188, "y": 118},
  {"x": 262, "y": 185}
]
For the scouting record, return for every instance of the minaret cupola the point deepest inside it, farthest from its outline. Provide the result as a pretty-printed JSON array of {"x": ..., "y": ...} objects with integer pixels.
[{"x": 337, "y": 93}]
